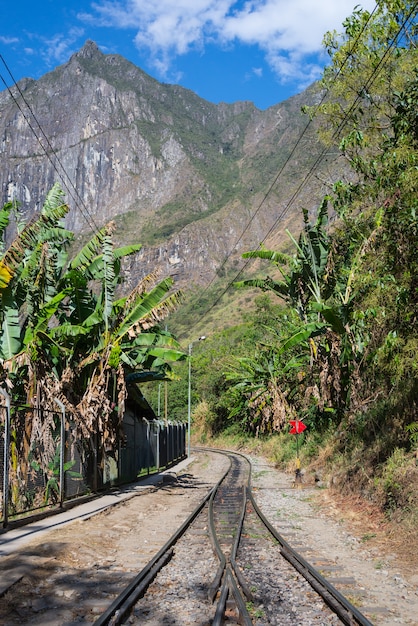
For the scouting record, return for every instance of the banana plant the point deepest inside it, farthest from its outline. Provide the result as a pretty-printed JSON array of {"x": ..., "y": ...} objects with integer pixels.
[
  {"x": 303, "y": 273},
  {"x": 323, "y": 304},
  {"x": 65, "y": 333},
  {"x": 32, "y": 265},
  {"x": 63, "y": 330},
  {"x": 256, "y": 389}
]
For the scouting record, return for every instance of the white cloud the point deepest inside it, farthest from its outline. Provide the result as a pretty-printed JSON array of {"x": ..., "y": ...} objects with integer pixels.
[
  {"x": 256, "y": 72},
  {"x": 287, "y": 31},
  {"x": 7, "y": 41},
  {"x": 58, "y": 48}
]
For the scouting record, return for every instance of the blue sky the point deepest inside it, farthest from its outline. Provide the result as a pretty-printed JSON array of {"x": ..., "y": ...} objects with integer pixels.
[{"x": 258, "y": 50}]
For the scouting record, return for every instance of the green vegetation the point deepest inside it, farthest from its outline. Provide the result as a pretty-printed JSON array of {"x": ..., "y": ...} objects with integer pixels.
[
  {"x": 254, "y": 611},
  {"x": 334, "y": 338},
  {"x": 52, "y": 490},
  {"x": 65, "y": 334},
  {"x": 329, "y": 333}
]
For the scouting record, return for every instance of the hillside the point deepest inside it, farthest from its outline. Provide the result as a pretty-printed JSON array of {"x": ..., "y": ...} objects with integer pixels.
[
  {"x": 327, "y": 334},
  {"x": 184, "y": 177}
]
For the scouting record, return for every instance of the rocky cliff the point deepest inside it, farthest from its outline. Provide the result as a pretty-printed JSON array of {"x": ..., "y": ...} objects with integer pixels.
[{"x": 189, "y": 179}]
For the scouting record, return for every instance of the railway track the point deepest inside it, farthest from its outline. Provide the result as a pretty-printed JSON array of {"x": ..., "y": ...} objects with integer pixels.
[{"x": 239, "y": 585}]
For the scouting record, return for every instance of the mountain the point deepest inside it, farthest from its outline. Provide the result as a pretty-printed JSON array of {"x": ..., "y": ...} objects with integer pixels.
[{"x": 193, "y": 181}]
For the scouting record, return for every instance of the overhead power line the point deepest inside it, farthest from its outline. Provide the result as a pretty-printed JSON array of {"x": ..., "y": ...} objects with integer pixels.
[
  {"x": 273, "y": 185},
  {"x": 90, "y": 220},
  {"x": 39, "y": 134},
  {"x": 347, "y": 114}
]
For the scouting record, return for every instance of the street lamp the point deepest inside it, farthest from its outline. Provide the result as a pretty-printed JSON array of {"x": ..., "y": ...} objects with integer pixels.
[{"x": 189, "y": 403}]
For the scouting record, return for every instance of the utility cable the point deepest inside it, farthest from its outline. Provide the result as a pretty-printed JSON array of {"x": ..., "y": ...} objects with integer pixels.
[
  {"x": 280, "y": 172},
  {"x": 272, "y": 185},
  {"x": 78, "y": 200},
  {"x": 369, "y": 82}
]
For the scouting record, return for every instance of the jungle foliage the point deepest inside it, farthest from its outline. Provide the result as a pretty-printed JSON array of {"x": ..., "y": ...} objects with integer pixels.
[
  {"x": 66, "y": 333},
  {"x": 336, "y": 341}
]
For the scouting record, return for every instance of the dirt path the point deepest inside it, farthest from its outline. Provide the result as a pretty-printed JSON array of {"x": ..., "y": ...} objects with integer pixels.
[
  {"x": 68, "y": 576},
  {"x": 350, "y": 541}
]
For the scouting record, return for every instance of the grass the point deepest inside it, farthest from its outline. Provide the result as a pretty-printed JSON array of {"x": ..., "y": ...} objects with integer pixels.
[
  {"x": 391, "y": 486},
  {"x": 255, "y": 612},
  {"x": 289, "y": 516},
  {"x": 260, "y": 473},
  {"x": 145, "y": 471}
]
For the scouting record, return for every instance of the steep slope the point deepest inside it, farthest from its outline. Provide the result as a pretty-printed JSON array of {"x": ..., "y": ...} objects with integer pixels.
[{"x": 185, "y": 177}]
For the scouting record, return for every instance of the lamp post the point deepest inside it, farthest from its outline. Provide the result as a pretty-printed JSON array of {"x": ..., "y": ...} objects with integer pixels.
[{"x": 189, "y": 402}]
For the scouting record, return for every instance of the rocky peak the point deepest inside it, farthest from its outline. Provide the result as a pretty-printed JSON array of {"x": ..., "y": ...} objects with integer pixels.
[
  {"x": 88, "y": 51},
  {"x": 177, "y": 173}
]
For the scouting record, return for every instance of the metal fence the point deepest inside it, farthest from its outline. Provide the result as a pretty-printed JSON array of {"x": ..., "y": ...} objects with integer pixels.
[{"x": 43, "y": 463}]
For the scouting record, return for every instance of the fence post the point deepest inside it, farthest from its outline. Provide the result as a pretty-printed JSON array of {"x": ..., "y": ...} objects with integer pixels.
[
  {"x": 6, "y": 458},
  {"x": 62, "y": 449},
  {"x": 158, "y": 445},
  {"x": 148, "y": 448}
]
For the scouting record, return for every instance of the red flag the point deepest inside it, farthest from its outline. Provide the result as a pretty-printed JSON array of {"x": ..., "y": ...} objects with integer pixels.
[{"x": 296, "y": 427}]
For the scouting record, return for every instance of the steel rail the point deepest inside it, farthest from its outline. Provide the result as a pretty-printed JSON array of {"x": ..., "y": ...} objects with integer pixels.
[
  {"x": 215, "y": 584},
  {"x": 228, "y": 568},
  {"x": 338, "y": 603},
  {"x": 230, "y": 587},
  {"x": 238, "y": 574},
  {"x": 346, "y": 611},
  {"x": 229, "y": 581},
  {"x": 122, "y": 605},
  {"x": 223, "y": 559},
  {"x": 244, "y": 617},
  {"x": 132, "y": 592},
  {"x": 139, "y": 590},
  {"x": 218, "y": 620}
]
